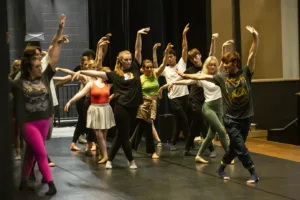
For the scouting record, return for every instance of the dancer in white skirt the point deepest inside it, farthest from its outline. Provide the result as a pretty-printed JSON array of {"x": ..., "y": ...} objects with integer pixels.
[{"x": 100, "y": 116}]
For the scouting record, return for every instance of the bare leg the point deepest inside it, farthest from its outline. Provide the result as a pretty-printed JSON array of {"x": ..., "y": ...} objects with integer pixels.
[
  {"x": 154, "y": 133},
  {"x": 100, "y": 134}
]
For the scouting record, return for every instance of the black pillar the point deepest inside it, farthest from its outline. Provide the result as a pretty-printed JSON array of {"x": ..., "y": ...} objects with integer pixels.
[
  {"x": 236, "y": 26},
  {"x": 6, "y": 183}
]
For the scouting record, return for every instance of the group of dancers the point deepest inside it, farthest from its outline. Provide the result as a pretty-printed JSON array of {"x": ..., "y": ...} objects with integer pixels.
[{"x": 220, "y": 96}]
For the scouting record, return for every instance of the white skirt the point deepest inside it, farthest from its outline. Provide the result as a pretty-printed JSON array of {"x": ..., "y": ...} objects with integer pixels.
[{"x": 100, "y": 116}]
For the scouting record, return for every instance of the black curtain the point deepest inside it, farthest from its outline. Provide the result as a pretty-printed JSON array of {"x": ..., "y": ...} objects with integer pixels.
[{"x": 166, "y": 18}]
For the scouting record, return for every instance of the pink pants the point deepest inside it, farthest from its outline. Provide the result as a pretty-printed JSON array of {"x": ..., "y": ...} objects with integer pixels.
[{"x": 35, "y": 134}]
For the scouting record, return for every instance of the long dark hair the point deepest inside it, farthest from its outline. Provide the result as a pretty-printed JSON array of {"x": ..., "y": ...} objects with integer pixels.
[{"x": 26, "y": 63}]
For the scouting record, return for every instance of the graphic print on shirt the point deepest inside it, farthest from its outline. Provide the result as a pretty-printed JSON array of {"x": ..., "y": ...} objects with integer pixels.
[
  {"x": 237, "y": 90},
  {"x": 36, "y": 96},
  {"x": 128, "y": 76}
]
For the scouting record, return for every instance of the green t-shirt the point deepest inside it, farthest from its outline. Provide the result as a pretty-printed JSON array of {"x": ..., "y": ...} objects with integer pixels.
[
  {"x": 150, "y": 85},
  {"x": 237, "y": 93}
]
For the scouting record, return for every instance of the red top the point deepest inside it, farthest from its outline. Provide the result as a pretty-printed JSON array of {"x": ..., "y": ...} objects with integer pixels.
[{"x": 99, "y": 95}]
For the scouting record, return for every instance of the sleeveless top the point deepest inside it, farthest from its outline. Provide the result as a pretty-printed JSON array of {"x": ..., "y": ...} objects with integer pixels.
[
  {"x": 99, "y": 95},
  {"x": 150, "y": 85}
]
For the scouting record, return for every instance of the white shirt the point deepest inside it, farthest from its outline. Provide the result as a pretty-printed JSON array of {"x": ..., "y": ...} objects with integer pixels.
[
  {"x": 170, "y": 74},
  {"x": 44, "y": 62},
  {"x": 211, "y": 90}
]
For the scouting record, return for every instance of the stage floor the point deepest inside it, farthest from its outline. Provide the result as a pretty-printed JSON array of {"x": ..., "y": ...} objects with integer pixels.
[{"x": 171, "y": 177}]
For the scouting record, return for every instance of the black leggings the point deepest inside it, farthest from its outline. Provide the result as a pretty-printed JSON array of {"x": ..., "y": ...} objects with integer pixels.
[
  {"x": 143, "y": 127},
  {"x": 179, "y": 108},
  {"x": 124, "y": 117},
  {"x": 82, "y": 106},
  {"x": 81, "y": 122}
]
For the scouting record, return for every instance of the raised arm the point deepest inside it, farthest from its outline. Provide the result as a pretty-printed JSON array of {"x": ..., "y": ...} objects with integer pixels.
[
  {"x": 162, "y": 67},
  {"x": 55, "y": 46},
  {"x": 103, "y": 44},
  {"x": 107, "y": 36},
  {"x": 212, "y": 51},
  {"x": 154, "y": 55},
  {"x": 253, "y": 49},
  {"x": 198, "y": 76},
  {"x": 226, "y": 47},
  {"x": 79, "y": 95},
  {"x": 184, "y": 43},
  {"x": 138, "y": 44}
]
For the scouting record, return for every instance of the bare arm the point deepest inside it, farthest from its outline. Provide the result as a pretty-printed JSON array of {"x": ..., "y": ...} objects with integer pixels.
[
  {"x": 55, "y": 46},
  {"x": 198, "y": 76},
  {"x": 91, "y": 73},
  {"x": 253, "y": 49},
  {"x": 100, "y": 56},
  {"x": 184, "y": 43},
  {"x": 62, "y": 78},
  {"x": 226, "y": 47},
  {"x": 154, "y": 55},
  {"x": 138, "y": 44},
  {"x": 212, "y": 51},
  {"x": 79, "y": 95},
  {"x": 162, "y": 67},
  {"x": 61, "y": 83},
  {"x": 185, "y": 82}
]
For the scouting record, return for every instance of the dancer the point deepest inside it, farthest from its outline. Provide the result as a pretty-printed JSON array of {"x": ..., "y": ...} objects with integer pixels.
[
  {"x": 82, "y": 105},
  {"x": 179, "y": 95},
  {"x": 128, "y": 95},
  {"x": 15, "y": 69},
  {"x": 33, "y": 102},
  {"x": 99, "y": 115},
  {"x": 212, "y": 107},
  {"x": 147, "y": 111},
  {"x": 155, "y": 66},
  {"x": 236, "y": 90}
]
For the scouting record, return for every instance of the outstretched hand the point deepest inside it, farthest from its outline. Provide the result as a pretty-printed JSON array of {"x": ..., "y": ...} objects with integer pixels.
[
  {"x": 63, "y": 39},
  {"x": 179, "y": 72},
  {"x": 186, "y": 29},
  {"x": 66, "y": 109},
  {"x": 62, "y": 21},
  {"x": 144, "y": 31},
  {"x": 252, "y": 30},
  {"x": 228, "y": 42},
  {"x": 76, "y": 76},
  {"x": 215, "y": 36},
  {"x": 169, "y": 47},
  {"x": 156, "y": 45},
  {"x": 160, "y": 93}
]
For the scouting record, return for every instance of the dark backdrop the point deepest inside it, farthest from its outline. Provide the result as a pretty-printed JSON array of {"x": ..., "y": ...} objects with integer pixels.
[{"x": 166, "y": 18}]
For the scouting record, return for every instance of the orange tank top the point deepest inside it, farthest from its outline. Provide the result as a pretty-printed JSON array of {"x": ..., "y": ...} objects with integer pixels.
[{"x": 99, "y": 95}]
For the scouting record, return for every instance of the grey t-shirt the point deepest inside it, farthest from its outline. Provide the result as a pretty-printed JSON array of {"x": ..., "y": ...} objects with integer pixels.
[{"x": 237, "y": 93}]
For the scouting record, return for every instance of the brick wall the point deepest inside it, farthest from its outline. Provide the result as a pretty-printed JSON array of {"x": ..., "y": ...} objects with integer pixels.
[{"x": 76, "y": 28}]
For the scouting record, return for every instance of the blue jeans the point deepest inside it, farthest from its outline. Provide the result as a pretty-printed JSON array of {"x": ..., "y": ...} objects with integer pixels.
[{"x": 237, "y": 130}]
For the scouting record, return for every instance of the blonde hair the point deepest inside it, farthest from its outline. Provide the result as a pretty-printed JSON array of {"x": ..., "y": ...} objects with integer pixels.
[
  {"x": 118, "y": 66},
  {"x": 91, "y": 63},
  {"x": 16, "y": 62},
  {"x": 104, "y": 69},
  {"x": 207, "y": 62}
]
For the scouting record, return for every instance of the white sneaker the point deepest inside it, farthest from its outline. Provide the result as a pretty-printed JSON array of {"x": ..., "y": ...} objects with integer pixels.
[
  {"x": 108, "y": 165},
  {"x": 132, "y": 165},
  {"x": 82, "y": 139}
]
